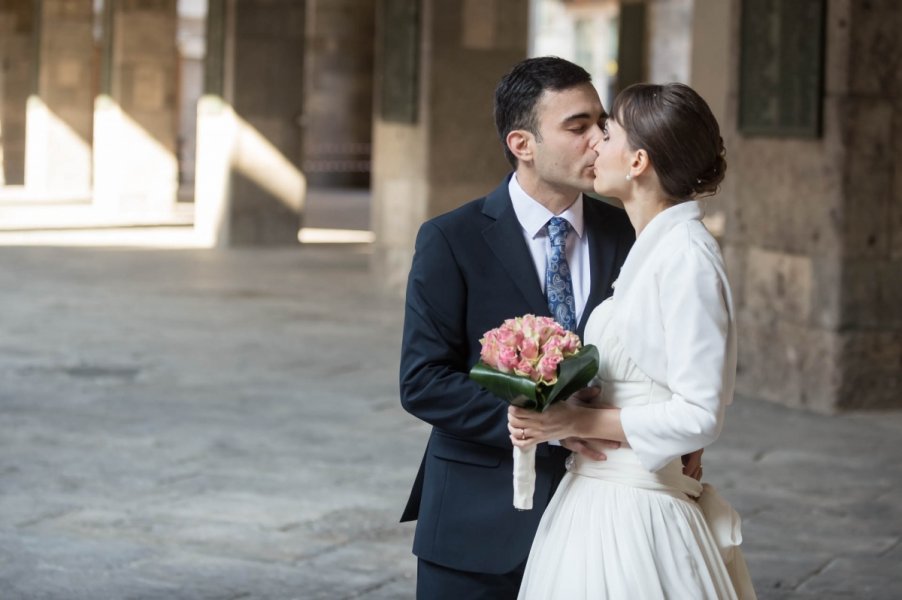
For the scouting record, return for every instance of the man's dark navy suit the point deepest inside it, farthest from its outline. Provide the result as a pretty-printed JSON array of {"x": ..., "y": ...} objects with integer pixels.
[{"x": 471, "y": 270}]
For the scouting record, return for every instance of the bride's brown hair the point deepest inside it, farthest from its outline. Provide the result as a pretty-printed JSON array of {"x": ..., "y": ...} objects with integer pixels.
[{"x": 677, "y": 129}]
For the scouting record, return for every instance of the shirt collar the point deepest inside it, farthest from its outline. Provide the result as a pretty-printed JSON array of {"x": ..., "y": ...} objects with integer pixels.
[{"x": 533, "y": 216}]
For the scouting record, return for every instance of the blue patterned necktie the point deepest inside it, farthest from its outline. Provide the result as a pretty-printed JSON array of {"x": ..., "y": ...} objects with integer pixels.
[{"x": 558, "y": 283}]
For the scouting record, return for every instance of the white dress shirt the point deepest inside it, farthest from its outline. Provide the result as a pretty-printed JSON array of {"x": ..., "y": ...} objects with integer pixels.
[
  {"x": 533, "y": 218},
  {"x": 677, "y": 324}
]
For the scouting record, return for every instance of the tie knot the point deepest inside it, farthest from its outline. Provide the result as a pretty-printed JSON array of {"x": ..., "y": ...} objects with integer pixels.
[{"x": 558, "y": 228}]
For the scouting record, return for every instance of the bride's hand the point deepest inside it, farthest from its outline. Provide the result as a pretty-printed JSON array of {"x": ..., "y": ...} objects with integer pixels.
[{"x": 528, "y": 427}]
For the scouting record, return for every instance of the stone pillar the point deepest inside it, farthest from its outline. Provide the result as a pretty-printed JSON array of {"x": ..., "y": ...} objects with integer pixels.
[
  {"x": 669, "y": 39},
  {"x": 654, "y": 41},
  {"x": 60, "y": 111},
  {"x": 249, "y": 186},
  {"x": 338, "y": 75},
  {"x": 632, "y": 44},
  {"x": 16, "y": 70},
  {"x": 435, "y": 146},
  {"x": 135, "y": 135},
  {"x": 709, "y": 74},
  {"x": 3, "y": 33},
  {"x": 709, "y": 71},
  {"x": 814, "y": 228},
  {"x": 191, "y": 40}
]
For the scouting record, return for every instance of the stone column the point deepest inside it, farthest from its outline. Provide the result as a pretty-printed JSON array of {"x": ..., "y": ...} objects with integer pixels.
[
  {"x": 669, "y": 39},
  {"x": 709, "y": 71},
  {"x": 249, "y": 186},
  {"x": 709, "y": 74},
  {"x": 16, "y": 71},
  {"x": 135, "y": 165},
  {"x": 435, "y": 146},
  {"x": 3, "y": 34},
  {"x": 632, "y": 44},
  {"x": 60, "y": 112},
  {"x": 191, "y": 40},
  {"x": 814, "y": 228},
  {"x": 338, "y": 75}
]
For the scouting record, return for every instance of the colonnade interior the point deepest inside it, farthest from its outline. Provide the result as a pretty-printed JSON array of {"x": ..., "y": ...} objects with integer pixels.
[{"x": 233, "y": 117}]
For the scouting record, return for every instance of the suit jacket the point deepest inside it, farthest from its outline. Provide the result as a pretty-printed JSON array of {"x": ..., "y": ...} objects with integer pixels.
[{"x": 472, "y": 270}]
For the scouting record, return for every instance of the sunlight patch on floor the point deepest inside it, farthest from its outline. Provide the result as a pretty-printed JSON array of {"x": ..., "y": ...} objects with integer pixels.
[
  {"x": 310, "y": 235},
  {"x": 159, "y": 237}
]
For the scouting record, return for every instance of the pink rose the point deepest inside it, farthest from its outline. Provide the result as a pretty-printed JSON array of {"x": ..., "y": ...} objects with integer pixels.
[
  {"x": 571, "y": 343},
  {"x": 490, "y": 350},
  {"x": 529, "y": 348},
  {"x": 510, "y": 325},
  {"x": 548, "y": 328},
  {"x": 507, "y": 359},
  {"x": 547, "y": 367},
  {"x": 526, "y": 369},
  {"x": 552, "y": 344},
  {"x": 509, "y": 338}
]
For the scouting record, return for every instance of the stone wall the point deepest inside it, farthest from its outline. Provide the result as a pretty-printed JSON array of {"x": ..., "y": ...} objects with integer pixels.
[{"x": 814, "y": 228}]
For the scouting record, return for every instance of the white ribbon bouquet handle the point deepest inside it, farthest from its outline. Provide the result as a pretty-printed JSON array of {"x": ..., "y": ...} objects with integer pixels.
[{"x": 524, "y": 477}]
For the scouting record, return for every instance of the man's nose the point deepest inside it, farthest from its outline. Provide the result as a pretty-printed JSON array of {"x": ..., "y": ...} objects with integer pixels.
[{"x": 594, "y": 136}]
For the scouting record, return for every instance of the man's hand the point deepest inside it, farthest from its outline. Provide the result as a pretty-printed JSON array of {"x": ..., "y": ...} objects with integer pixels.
[
  {"x": 591, "y": 449},
  {"x": 586, "y": 396},
  {"x": 692, "y": 465}
]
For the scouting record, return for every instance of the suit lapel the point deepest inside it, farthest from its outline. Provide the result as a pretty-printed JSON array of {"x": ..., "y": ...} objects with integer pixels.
[
  {"x": 603, "y": 241},
  {"x": 505, "y": 238}
]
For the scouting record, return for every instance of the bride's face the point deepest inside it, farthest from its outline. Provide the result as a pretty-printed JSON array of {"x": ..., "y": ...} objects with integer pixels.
[{"x": 613, "y": 162}]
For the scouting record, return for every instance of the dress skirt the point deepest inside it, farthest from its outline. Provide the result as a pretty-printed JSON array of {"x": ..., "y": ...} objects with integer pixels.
[{"x": 615, "y": 531}]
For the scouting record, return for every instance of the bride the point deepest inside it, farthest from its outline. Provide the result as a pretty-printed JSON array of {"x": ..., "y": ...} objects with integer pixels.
[{"x": 634, "y": 526}]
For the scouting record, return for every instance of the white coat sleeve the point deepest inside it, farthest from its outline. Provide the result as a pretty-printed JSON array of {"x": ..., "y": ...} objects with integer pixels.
[{"x": 694, "y": 311}]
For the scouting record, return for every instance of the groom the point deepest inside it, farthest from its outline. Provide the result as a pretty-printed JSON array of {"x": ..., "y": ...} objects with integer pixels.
[{"x": 473, "y": 268}]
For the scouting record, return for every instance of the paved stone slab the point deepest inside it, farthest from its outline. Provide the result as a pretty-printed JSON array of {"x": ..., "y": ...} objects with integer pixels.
[
  {"x": 869, "y": 577},
  {"x": 197, "y": 425}
]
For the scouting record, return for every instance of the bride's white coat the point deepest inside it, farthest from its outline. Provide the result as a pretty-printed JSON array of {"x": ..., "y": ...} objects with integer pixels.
[{"x": 676, "y": 319}]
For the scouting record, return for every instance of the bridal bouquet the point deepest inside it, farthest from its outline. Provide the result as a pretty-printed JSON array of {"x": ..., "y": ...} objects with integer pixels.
[{"x": 532, "y": 362}]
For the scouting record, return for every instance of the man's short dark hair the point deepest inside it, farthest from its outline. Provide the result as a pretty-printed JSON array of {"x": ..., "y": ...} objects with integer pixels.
[{"x": 518, "y": 93}]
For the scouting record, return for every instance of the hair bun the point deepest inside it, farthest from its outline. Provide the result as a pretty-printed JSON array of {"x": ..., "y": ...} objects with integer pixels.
[{"x": 709, "y": 181}]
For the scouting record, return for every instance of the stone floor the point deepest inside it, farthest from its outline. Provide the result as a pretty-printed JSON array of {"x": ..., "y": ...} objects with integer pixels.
[{"x": 187, "y": 424}]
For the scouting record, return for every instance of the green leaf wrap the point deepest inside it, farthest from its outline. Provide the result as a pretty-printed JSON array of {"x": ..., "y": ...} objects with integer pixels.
[
  {"x": 516, "y": 389},
  {"x": 574, "y": 373}
]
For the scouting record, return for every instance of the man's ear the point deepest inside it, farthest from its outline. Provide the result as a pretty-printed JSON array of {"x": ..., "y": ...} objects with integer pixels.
[{"x": 520, "y": 142}]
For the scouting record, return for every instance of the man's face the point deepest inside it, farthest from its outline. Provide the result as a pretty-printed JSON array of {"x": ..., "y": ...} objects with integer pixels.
[{"x": 568, "y": 122}]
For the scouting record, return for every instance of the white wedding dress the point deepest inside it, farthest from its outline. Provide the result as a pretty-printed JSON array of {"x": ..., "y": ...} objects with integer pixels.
[{"x": 615, "y": 530}]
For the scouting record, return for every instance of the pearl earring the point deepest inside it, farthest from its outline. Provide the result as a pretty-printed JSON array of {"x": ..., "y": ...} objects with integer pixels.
[{"x": 629, "y": 177}]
